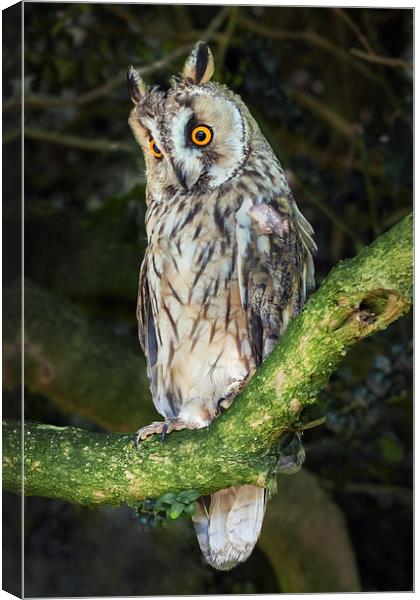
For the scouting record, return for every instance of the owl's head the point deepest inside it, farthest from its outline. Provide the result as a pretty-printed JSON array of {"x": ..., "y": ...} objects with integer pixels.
[{"x": 196, "y": 135}]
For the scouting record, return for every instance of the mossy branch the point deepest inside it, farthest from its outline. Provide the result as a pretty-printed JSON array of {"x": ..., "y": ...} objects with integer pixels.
[{"x": 359, "y": 297}]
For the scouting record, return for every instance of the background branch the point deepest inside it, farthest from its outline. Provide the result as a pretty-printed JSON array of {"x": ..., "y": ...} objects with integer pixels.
[
  {"x": 80, "y": 143},
  {"x": 387, "y": 61},
  {"x": 72, "y": 361},
  {"x": 362, "y": 38}
]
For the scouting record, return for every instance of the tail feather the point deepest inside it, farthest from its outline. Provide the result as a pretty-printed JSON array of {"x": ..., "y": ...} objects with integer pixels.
[
  {"x": 220, "y": 506},
  {"x": 246, "y": 516},
  {"x": 201, "y": 525},
  {"x": 229, "y": 528}
]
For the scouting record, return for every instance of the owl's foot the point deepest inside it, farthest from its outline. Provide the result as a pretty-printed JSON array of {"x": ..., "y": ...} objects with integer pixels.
[
  {"x": 233, "y": 390},
  {"x": 161, "y": 428}
]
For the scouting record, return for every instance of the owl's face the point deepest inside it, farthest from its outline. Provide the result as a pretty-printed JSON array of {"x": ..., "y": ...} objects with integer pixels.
[{"x": 195, "y": 136}]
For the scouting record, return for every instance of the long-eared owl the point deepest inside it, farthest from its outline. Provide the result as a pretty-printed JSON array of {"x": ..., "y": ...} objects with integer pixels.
[{"x": 227, "y": 265}]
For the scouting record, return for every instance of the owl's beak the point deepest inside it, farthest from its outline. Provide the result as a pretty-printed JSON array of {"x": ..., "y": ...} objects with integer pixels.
[
  {"x": 186, "y": 174},
  {"x": 181, "y": 176}
]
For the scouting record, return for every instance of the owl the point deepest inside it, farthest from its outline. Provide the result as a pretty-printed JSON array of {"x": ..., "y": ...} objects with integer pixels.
[{"x": 227, "y": 265}]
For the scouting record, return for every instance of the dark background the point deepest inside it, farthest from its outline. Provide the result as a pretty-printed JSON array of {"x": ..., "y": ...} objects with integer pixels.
[{"x": 332, "y": 91}]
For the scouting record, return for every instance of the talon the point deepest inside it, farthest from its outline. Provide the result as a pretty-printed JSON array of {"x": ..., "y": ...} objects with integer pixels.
[
  {"x": 164, "y": 431},
  {"x": 137, "y": 439},
  {"x": 220, "y": 406},
  {"x": 160, "y": 428},
  {"x": 224, "y": 403},
  {"x": 144, "y": 432},
  {"x": 233, "y": 390}
]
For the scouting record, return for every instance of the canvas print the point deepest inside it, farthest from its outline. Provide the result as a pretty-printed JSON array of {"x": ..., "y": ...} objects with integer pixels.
[{"x": 207, "y": 289}]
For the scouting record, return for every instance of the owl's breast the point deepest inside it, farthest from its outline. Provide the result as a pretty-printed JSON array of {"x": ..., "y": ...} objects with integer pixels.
[
  {"x": 192, "y": 273},
  {"x": 192, "y": 246}
]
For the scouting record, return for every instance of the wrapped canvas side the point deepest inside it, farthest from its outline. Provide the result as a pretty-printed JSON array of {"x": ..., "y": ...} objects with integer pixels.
[{"x": 12, "y": 281}]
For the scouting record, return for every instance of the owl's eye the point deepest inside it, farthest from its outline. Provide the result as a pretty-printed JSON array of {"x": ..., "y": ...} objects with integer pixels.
[
  {"x": 202, "y": 135},
  {"x": 154, "y": 149}
]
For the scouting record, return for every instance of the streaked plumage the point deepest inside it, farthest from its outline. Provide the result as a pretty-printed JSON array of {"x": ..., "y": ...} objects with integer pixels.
[{"x": 227, "y": 265}]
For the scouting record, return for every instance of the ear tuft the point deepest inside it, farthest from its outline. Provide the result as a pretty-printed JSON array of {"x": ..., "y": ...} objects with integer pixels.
[
  {"x": 136, "y": 85},
  {"x": 199, "y": 66}
]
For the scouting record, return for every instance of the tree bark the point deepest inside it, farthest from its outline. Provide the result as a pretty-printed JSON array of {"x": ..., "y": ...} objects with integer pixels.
[{"x": 359, "y": 297}]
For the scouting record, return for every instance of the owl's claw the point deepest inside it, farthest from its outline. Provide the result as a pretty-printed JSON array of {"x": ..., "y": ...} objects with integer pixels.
[
  {"x": 223, "y": 404},
  {"x": 145, "y": 432},
  {"x": 233, "y": 390},
  {"x": 164, "y": 432},
  {"x": 161, "y": 428}
]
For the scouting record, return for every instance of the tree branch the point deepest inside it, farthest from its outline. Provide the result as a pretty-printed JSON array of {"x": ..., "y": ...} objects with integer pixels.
[
  {"x": 387, "y": 61},
  {"x": 324, "y": 112},
  {"x": 359, "y": 297},
  {"x": 80, "y": 143},
  {"x": 349, "y": 21}
]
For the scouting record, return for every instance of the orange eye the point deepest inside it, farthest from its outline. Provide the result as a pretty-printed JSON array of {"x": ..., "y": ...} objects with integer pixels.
[
  {"x": 202, "y": 135},
  {"x": 154, "y": 149}
]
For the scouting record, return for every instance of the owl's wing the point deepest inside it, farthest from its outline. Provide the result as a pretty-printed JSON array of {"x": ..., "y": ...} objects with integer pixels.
[
  {"x": 275, "y": 267},
  {"x": 143, "y": 301},
  {"x": 146, "y": 325}
]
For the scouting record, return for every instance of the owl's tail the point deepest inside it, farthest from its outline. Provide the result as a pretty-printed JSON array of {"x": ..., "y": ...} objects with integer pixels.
[{"x": 228, "y": 524}]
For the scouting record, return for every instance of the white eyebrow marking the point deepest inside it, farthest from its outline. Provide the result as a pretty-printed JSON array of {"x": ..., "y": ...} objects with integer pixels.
[{"x": 150, "y": 124}]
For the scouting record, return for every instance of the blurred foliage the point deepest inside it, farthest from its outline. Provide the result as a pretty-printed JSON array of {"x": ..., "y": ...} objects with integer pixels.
[{"x": 332, "y": 91}]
